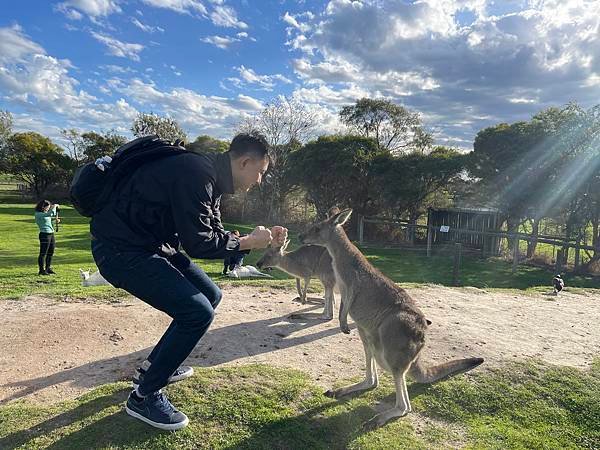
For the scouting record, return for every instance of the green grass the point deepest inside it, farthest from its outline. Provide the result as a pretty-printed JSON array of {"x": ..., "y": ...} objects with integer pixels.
[
  {"x": 259, "y": 407},
  {"x": 19, "y": 248},
  {"x": 524, "y": 405}
]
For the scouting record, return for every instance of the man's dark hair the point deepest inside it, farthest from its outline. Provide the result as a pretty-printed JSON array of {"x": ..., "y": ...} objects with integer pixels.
[{"x": 252, "y": 144}]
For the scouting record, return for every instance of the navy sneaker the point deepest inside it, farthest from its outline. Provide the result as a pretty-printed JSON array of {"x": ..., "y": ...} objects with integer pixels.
[
  {"x": 181, "y": 373},
  {"x": 156, "y": 410}
]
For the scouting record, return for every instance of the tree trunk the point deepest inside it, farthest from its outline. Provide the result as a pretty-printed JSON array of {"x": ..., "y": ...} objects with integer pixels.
[
  {"x": 532, "y": 244},
  {"x": 595, "y": 238},
  {"x": 412, "y": 220},
  {"x": 512, "y": 226},
  {"x": 596, "y": 232}
]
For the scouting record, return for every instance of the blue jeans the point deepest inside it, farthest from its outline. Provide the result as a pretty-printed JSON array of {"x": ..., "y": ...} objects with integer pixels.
[{"x": 174, "y": 285}]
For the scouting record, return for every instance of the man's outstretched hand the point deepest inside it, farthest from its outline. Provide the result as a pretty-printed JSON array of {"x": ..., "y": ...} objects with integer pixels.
[
  {"x": 279, "y": 235},
  {"x": 259, "y": 238}
]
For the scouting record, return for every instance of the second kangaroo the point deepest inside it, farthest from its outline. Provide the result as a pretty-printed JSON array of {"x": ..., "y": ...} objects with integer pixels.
[{"x": 306, "y": 262}]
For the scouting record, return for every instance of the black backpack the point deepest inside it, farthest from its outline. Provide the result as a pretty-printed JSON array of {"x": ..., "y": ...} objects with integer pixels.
[{"x": 94, "y": 182}]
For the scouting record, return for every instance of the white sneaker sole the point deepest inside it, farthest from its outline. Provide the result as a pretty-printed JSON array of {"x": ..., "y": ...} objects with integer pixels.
[
  {"x": 162, "y": 426},
  {"x": 173, "y": 379}
]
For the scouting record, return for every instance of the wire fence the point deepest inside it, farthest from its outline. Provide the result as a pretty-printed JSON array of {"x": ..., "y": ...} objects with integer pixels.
[{"x": 547, "y": 251}]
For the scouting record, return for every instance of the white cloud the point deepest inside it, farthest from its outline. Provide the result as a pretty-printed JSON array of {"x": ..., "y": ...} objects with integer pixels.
[
  {"x": 113, "y": 68},
  {"x": 93, "y": 8},
  {"x": 119, "y": 48},
  {"x": 53, "y": 99},
  {"x": 220, "y": 41},
  {"x": 14, "y": 44},
  {"x": 180, "y": 6},
  {"x": 31, "y": 122},
  {"x": 146, "y": 28},
  {"x": 225, "y": 16},
  {"x": 454, "y": 59},
  {"x": 73, "y": 14},
  {"x": 197, "y": 113},
  {"x": 42, "y": 85},
  {"x": 250, "y": 77},
  {"x": 291, "y": 20},
  {"x": 521, "y": 100}
]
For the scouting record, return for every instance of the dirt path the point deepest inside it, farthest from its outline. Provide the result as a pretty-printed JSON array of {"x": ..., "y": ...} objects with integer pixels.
[{"x": 54, "y": 350}]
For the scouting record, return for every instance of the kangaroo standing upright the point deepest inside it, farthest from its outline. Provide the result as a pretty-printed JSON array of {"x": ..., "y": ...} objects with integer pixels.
[
  {"x": 306, "y": 262},
  {"x": 391, "y": 326}
]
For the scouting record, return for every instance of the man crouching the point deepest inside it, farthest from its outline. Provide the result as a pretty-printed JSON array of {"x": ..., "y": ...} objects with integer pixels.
[{"x": 166, "y": 204}]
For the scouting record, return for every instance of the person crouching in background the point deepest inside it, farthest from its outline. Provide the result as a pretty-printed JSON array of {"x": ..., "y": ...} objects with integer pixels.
[
  {"x": 235, "y": 260},
  {"x": 44, "y": 212}
]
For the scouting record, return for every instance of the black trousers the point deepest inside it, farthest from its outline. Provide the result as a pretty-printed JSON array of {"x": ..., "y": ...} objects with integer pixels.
[
  {"x": 230, "y": 262},
  {"x": 47, "y": 244}
]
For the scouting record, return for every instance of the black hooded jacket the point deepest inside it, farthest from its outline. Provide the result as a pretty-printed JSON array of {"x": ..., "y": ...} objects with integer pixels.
[{"x": 169, "y": 203}]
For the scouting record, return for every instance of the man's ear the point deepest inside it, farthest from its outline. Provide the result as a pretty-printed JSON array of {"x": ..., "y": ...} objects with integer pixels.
[{"x": 244, "y": 161}]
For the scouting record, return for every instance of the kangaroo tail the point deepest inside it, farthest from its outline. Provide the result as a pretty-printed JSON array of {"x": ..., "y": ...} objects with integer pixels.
[{"x": 448, "y": 369}]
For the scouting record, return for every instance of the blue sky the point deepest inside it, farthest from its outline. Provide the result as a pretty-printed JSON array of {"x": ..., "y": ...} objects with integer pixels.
[{"x": 463, "y": 64}]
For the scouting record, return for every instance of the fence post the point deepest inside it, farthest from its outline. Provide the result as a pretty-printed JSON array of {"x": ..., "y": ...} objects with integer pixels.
[
  {"x": 429, "y": 239},
  {"x": 515, "y": 254},
  {"x": 559, "y": 261},
  {"x": 457, "y": 258},
  {"x": 361, "y": 228}
]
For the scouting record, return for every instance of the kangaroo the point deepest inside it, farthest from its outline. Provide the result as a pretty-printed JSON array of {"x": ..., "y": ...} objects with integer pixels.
[
  {"x": 390, "y": 325},
  {"x": 306, "y": 262},
  {"x": 95, "y": 279}
]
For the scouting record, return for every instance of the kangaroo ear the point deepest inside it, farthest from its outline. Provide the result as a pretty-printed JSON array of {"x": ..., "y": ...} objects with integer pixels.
[{"x": 342, "y": 217}]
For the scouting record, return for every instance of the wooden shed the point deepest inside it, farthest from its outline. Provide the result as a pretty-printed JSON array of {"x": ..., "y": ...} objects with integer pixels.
[{"x": 447, "y": 223}]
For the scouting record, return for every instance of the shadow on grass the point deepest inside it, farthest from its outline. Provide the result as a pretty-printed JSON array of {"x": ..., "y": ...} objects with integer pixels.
[
  {"x": 101, "y": 433},
  {"x": 312, "y": 429},
  {"x": 80, "y": 412},
  {"x": 317, "y": 427},
  {"x": 310, "y": 420}
]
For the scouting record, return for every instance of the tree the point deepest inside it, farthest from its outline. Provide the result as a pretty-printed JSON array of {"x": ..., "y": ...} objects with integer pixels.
[
  {"x": 207, "y": 144},
  {"x": 96, "y": 145},
  {"x": 146, "y": 124},
  {"x": 74, "y": 144},
  {"x": 394, "y": 128},
  {"x": 336, "y": 170},
  {"x": 541, "y": 168},
  {"x": 512, "y": 163},
  {"x": 576, "y": 189},
  {"x": 35, "y": 160},
  {"x": 407, "y": 183},
  {"x": 89, "y": 146},
  {"x": 285, "y": 123},
  {"x": 6, "y": 124}
]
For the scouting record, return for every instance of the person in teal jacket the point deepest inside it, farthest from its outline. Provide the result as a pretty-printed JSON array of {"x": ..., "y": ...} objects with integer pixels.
[{"x": 44, "y": 212}]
